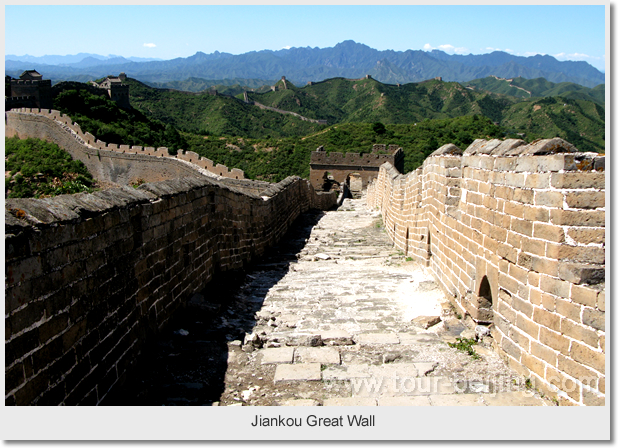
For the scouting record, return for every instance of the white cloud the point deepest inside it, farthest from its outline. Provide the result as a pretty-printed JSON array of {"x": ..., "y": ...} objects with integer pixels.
[
  {"x": 447, "y": 48},
  {"x": 287, "y": 47},
  {"x": 150, "y": 45}
]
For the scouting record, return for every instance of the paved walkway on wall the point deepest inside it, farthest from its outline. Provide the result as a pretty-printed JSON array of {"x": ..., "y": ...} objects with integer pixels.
[{"x": 334, "y": 316}]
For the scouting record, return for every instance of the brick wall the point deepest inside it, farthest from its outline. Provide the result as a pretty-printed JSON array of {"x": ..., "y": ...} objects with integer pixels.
[
  {"x": 515, "y": 235},
  {"x": 89, "y": 277},
  {"x": 121, "y": 164}
]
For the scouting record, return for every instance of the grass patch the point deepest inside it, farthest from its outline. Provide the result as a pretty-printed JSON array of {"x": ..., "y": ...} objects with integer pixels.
[{"x": 465, "y": 345}]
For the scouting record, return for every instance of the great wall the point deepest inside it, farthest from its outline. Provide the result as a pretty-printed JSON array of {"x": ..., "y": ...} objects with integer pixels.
[
  {"x": 120, "y": 164},
  {"x": 514, "y": 234}
]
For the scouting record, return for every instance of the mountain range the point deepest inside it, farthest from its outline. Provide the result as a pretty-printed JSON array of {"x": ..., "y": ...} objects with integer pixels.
[{"x": 347, "y": 59}]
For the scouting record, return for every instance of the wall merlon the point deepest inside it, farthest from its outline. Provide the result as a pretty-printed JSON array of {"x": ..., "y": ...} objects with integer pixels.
[{"x": 80, "y": 143}]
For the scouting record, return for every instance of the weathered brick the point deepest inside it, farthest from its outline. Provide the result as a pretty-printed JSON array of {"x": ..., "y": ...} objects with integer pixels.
[
  {"x": 535, "y": 297},
  {"x": 568, "y": 309},
  {"x": 544, "y": 266},
  {"x": 528, "y": 326},
  {"x": 578, "y": 371},
  {"x": 534, "y": 364},
  {"x": 537, "y": 180},
  {"x": 547, "y": 319},
  {"x": 588, "y": 357},
  {"x": 511, "y": 348},
  {"x": 554, "y": 340},
  {"x": 582, "y": 254},
  {"x": 594, "y": 318},
  {"x": 580, "y": 273},
  {"x": 563, "y": 383},
  {"x": 514, "y": 209},
  {"x": 583, "y": 295},
  {"x": 579, "y": 332},
  {"x": 532, "y": 246},
  {"x": 586, "y": 235},
  {"x": 548, "y": 301},
  {"x": 548, "y": 232},
  {"x": 542, "y": 352},
  {"x": 554, "y": 286},
  {"x": 520, "y": 338},
  {"x": 536, "y": 214},
  {"x": 549, "y": 198},
  {"x": 519, "y": 274},
  {"x": 578, "y": 180},
  {"x": 584, "y": 218},
  {"x": 522, "y": 226},
  {"x": 585, "y": 199}
]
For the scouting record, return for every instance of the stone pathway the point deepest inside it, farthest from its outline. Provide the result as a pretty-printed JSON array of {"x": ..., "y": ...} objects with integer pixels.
[
  {"x": 337, "y": 329},
  {"x": 333, "y": 316}
]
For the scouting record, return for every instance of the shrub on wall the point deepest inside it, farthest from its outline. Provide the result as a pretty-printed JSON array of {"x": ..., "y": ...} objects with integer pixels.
[{"x": 38, "y": 169}]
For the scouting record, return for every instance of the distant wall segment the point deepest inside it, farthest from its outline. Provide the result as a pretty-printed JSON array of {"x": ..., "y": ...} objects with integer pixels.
[
  {"x": 340, "y": 166},
  {"x": 515, "y": 235},
  {"x": 121, "y": 164},
  {"x": 90, "y": 277}
]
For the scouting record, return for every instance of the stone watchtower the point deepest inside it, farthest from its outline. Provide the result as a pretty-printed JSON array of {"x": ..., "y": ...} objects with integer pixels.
[
  {"x": 116, "y": 90},
  {"x": 30, "y": 90},
  {"x": 330, "y": 171}
]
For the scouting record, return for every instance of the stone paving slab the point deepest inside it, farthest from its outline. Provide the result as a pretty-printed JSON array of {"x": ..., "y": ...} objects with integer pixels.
[
  {"x": 397, "y": 387},
  {"x": 352, "y": 317},
  {"x": 283, "y": 355},
  {"x": 298, "y": 372},
  {"x": 376, "y": 338},
  {"x": 413, "y": 339},
  {"x": 456, "y": 400},
  {"x": 342, "y": 373},
  {"x": 336, "y": 337},
  {"x": 350, "y": 401},
  {"x": 322, "y": 355},
  {"x": 519, "y": 398}
]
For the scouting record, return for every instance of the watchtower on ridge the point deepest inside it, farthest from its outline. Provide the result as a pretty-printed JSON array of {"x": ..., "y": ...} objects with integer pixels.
[{"x": 329, "y": 171}]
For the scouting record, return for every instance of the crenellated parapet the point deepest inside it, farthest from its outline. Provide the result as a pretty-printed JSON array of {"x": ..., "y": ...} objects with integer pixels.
[
  {"x": 354, "y": 169},
  {"x": 83, "y": 145},
  {"x": 515, "y": 235}
]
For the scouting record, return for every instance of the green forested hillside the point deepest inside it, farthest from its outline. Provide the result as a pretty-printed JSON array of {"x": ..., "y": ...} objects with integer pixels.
[
  {"x": 274, "y": 159},
  {"x": 203, "y": 113},
  {"x": 538, "y": 87},
  {"x": 268, "y": 145},
  {"x": 580, "y": 122}
]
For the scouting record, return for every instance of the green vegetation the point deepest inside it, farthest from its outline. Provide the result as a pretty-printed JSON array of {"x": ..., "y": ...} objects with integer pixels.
[
  {"x": 40, "y": 169},
  {"x": 270, "y": 146},
  {"x": 465, "y": 345},
  {"x": 273, "y": 159},
  {"x": 102, "y": 117},
  {"x": 537, "y": 88},
  {"x": 207, "y": 114}
]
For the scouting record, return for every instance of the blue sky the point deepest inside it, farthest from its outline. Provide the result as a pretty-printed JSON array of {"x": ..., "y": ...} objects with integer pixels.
[{"x": 566, "y": 32}]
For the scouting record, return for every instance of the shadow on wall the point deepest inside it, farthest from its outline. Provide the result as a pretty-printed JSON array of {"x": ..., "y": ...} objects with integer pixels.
[{"x": 186, "y": 364}]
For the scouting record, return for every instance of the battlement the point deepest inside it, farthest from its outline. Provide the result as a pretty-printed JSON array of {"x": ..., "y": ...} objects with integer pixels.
[
  {"x": 350, "y": 158},
  {"x": 31, "y": 82},
  {"x": 331, "y": 170},
  {"x": 199, "y": 164}
]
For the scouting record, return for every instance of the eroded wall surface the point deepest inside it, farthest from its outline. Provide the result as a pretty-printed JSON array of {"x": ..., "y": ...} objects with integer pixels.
[
  {"x": 515, "y": 235},
  {"x": 90, "y": 277}
]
